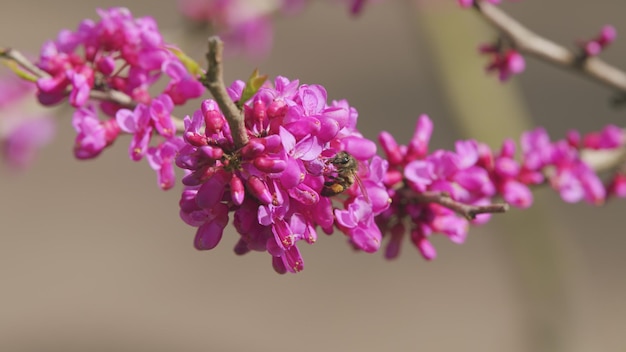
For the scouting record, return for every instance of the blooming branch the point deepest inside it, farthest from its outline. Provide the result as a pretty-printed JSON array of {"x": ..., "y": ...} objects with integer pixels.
[
  {"x": 21, "y": 60},
  {"x": 528, "y": 42},
  {"x": 286, "y": 162}
]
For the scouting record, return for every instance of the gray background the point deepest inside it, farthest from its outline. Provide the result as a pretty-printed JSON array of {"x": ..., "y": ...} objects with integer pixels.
[{"x": 93, "y": 257}]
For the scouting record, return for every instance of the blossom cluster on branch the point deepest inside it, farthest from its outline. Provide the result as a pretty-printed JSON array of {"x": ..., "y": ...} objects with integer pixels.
[
  {"x": 275, "y": 184},
  {"x": 279, "y": 159}
]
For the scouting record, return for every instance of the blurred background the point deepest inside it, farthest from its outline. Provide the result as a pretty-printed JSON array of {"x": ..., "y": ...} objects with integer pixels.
[{"x": 93, "y": 257}]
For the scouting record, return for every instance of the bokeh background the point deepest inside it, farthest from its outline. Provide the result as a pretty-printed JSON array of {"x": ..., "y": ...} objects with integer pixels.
[{"x": 93, "y": 257}]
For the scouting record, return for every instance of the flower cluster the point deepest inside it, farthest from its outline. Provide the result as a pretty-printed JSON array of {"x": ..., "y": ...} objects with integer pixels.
[
  {"x": 279, "y": 184},
  {"x": 428, "y": 190},
  {"x": 598, "y": 44},
  {"x": 118, "y": 54},
  {"x": 559, "y": 163}
]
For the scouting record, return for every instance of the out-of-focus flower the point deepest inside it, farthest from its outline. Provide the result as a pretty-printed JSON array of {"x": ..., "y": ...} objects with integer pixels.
[
  {"x": 470, "y": 3},
  {"x": 246, "y": 25},
  {"x": 595, "y": 46},
  {"x": 24, "y": 129},
  {"x": 505, "y": 62}
]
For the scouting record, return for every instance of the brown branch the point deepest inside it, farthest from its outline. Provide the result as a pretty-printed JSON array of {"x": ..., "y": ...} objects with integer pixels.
[
  {"x": 466, "y": 210},
  {"x": 214, "y": 82},
  {"x": 527, "y": 42},
  {"x": 20, "y": 59}
]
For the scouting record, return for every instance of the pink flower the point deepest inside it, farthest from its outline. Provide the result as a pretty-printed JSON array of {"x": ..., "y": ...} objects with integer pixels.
[
  {"x": 506, "y": 63},
  {"x": 244, "y": 26},
  {"x": 293, "y": 136},
  {"x": 182, "y": 86},
  {"x": 412, "y": 171},
  {"x": 85, "y": 60},
  {"x": 472, "y": 175},
  {"x": 138, "y": 123},
  {"x": 595, "y": 46},
  {"x": 161, "y": 160},
  {"x": 20, "y": 146},
  {"x": 92, "y": 134}
]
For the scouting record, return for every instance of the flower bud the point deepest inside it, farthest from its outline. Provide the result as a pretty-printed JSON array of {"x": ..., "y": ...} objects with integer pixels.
[
  {"x": 211, "y": 152},
  {"x": 212, "y": 191},
  {"x": 418, "y": 146},
  {"x": 269, "y": 165},
  {"x": 213, "y": 118},
  {"x": 390, "y": 147},
  {"x": 423, "y": 244},
  {"x": 254, "y": 148},
  {"x": 617, "y": 186},
  {"x": 258, "y": 112},
  {"x": 106, "y": 65},
  {"x": 237, "y": 191},
  {"x": 276, "y": 109},
  {"x": 259, "y": 189},
  {"x": 209, "y": 235}
]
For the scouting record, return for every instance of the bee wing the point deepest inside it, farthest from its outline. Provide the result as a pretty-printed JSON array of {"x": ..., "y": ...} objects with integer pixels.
[{"x": 361, "y": 187}]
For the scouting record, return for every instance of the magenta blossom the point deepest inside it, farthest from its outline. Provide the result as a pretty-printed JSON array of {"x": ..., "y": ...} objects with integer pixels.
[
  {"x": 598, "y": 44},
  {"x": 413, "y": 173},
  {"x": 161, "y": 159},
  {"x": 428, "y": 189},
  {"x": 118, "y": 53},
  {"x": 144, "y": 122},
  {"x": 92, "y": 135},
  {"x": 274, "y": 184},
  {"x": 504, "y": 62},
  {"x": 20, "y": 145},
  {"x": 245, "y": 26}
]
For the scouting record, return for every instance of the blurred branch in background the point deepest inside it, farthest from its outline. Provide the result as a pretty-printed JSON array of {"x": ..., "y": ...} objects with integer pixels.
[{"x": 527, "y": 42}]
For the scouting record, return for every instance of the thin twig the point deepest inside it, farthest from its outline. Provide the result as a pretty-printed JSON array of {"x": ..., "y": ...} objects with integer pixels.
[
  {"x": 214, "y": 82},
  {"x": 466, "y": 210},
  {"x": 20, "y": 59},
  {"x": 527, "y": 42}
]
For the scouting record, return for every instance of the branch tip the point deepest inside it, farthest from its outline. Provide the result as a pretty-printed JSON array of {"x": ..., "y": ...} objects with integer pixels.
[{"x": 214, "y": 82}]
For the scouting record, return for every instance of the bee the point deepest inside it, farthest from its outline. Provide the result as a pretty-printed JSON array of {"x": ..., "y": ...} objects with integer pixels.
[{"x": 346, "y": 167}]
